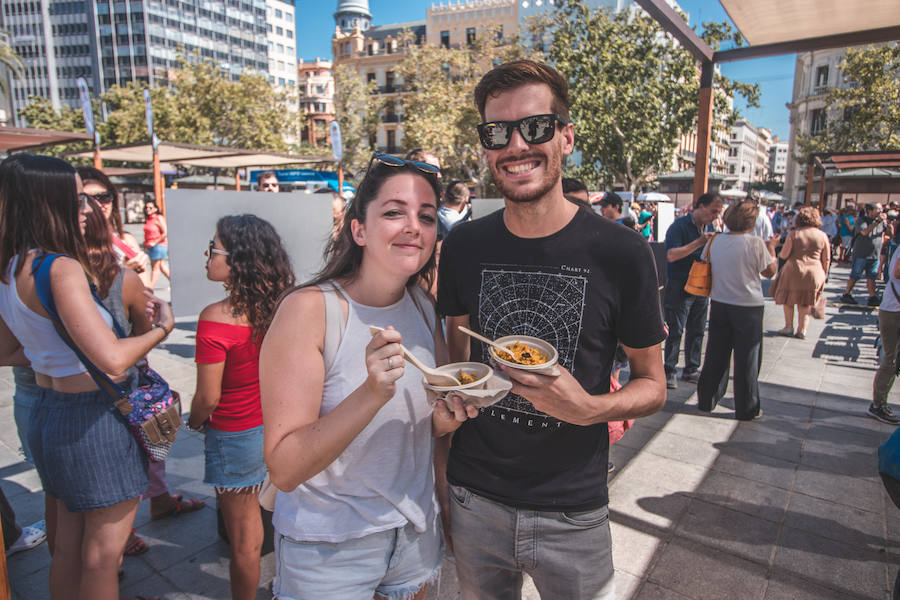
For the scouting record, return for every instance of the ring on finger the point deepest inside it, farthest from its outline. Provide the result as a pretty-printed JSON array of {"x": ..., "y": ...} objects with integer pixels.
[{"x": 390, "y": 362}]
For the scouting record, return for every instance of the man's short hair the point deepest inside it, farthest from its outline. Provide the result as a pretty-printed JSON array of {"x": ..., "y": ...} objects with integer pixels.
[
  {"x": 741, "y": 216},
  {"x": 266, "y": 175},
  {"x": 456, "y": 192},
  {"x": 706, "y": 199},
  {"x": 511, "y": 75},
  {"x": 611, "y": 199},
  {"x": 572, "y": 185}
]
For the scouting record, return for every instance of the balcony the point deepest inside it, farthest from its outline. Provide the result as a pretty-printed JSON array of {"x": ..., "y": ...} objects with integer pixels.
[{"x": 390, "y": 118}]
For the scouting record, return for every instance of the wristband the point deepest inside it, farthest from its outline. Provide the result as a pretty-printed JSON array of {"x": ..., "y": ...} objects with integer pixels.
[
  {"x": 201, "y": 429},
  {"x": 165, "y": 331}
]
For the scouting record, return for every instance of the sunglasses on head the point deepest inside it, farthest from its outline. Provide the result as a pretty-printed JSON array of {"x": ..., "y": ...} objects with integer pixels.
[
  {"x": 393, "y": 161},
  {"x": 211, "y": 250},
  {"x": 536, "y": 129}
]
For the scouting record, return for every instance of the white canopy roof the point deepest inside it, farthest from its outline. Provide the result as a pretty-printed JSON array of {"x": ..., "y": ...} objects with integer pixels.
[
  {"x": 202, "y": 156},
  {"x": 775, "y": 21}
]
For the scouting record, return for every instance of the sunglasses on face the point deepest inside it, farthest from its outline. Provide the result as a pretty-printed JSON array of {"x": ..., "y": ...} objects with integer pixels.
[
  {"x": 393, "y": 161},
  {"x": 536, "y": 129},
  {"x": 102, "y": 197},
  {"x": 211, "y": 250}
]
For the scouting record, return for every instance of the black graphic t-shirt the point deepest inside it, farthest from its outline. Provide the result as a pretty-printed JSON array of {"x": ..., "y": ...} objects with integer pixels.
[{"x": 582, "y": 289}]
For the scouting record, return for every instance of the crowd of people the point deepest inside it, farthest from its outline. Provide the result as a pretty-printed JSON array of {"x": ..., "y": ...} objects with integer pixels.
[{"x": 304, "y": 387}]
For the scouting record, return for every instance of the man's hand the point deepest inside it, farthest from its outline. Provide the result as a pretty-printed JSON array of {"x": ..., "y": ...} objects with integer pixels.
[{"x": 561, "y": 397}]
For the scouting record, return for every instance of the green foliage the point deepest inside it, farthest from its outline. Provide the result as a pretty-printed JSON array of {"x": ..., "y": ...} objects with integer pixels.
[
  {"x": 356, "y": 112},
  {"x": 439, "y": 112},
  {"x": 8, "y": 59},
  {"x": 865, "y": 115},
  {"x": 201, "y": 106},
  {"x": 40, "y": 114},
  {"x": 633, "y": 90}
]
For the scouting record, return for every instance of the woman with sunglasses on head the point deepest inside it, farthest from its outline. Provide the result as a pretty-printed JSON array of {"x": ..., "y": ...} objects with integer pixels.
[
  {"x": 156, "y": 242},
  {"x": 348, "y": 429},
  {"x": 98, "y": 186},
  {"x": 247, "y": 256},
  {"x": 87, "y": 458}
]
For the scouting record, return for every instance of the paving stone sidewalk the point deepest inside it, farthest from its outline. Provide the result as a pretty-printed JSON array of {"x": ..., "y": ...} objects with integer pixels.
[{"x": 702, "y": 507}]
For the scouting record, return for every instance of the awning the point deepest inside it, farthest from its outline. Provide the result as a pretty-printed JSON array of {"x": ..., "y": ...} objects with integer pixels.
[
  {"x": 22, "y": 138},
  {"x": 777, "y": 21},
  {"x": 860, "y": 160},
  {"x": 202, "y": 156}
]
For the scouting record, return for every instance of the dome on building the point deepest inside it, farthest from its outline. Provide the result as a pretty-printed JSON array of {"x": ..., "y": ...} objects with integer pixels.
[
  {"x": 351, "y": 14},
  {"x": 359, "y": 7}
]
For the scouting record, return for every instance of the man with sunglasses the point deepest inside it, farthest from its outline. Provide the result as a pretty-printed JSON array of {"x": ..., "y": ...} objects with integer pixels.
[
  {"x": 527, "y": 477},
  {"x": 268, "y": 182}
]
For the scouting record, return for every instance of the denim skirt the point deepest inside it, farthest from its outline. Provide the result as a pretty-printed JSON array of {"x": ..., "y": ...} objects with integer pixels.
[
  {"x": 234, "y": 459},
  {"x": 157, "y": 252},
  {"x": 84, "y": 452}
]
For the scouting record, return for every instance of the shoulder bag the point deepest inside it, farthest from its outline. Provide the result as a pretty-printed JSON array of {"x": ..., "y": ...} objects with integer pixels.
[
  {"x": 152, "y": 411},
  {"x": 699, "y": 281}
]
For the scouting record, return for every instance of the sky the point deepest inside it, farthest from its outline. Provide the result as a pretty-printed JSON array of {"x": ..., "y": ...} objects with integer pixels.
[{"x": 315, "y": 26}]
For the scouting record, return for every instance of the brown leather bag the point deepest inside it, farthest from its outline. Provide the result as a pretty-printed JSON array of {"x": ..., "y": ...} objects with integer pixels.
[{"x": 699, "y": 281}]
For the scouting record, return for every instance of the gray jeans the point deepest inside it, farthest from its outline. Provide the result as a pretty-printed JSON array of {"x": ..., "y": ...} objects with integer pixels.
[
  {"x": 889, "y": 324},
  {"x": 567, "y": 554}
]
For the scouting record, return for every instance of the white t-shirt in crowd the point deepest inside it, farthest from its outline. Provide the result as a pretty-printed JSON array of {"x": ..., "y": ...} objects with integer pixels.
[
  {"x": 763, "y": 229},
  {"x": 736, "y": 261},
  {"x": 889, "y": 302}
]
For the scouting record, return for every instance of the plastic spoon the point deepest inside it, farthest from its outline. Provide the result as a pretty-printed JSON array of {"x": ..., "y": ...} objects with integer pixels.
[
  {"x": 490, "y": 343},
  {"x": 432, "y": 376}
]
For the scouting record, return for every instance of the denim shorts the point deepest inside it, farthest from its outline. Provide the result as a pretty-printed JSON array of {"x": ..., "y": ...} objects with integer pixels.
[
  {"x": 25, "y": 398},
  {"x": 157, "y": 252},
  {"x": 864, "y": 268},
  {"x": 234, "y": 459},
  {"x": 84, "y": 451},
  {"x": 395, "y": 564}
]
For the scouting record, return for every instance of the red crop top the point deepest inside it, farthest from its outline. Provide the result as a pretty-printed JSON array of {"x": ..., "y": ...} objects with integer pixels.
[{"x": 239, "y": 408}]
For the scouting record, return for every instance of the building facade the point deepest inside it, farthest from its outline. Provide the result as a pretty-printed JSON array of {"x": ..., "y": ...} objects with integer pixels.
[
  {"x": 281, "y": 43},
  {"x": 316, "y": 81},
  {"x": 814, "y": 74},
  {"x": 778, "y": 160},
  {"x": 114, "y": 42},
  {"x": 457, "y": 24}
]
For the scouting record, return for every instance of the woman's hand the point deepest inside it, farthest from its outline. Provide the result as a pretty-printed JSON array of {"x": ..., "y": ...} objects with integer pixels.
[
  {"x": 449, "y": 414},
  {"x": 159, "y": 313},
  {"x": 384, "y": 362},
  {"x": 138, "y": 263}
]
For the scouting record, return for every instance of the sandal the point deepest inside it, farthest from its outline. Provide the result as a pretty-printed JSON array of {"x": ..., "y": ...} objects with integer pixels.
[
  {"x": 181, "y": 506},
  {"x": 785, "y": 331},
  {"x": 135, "y": 545}
]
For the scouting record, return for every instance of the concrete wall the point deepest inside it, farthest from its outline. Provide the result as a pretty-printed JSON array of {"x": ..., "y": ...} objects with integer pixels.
[{"x": 302, "y": 220}]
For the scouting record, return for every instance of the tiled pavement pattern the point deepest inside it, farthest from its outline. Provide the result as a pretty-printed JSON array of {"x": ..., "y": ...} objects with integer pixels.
[{"x": 702, "y": 507}]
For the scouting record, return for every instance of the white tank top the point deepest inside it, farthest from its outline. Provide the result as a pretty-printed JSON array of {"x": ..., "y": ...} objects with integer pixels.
[
  {"x": 384, "y": 479},
  {"x": 47, "y": 352}
]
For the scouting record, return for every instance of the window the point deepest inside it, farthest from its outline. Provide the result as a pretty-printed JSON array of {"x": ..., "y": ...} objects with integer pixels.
[
  {"x": 822, "y": 76},
  {"x": 370, "y": 77},
  {"x": 817, "y": 121},
  {"x": 281, "y": 81},
  {"x": 289, "y": 16},
  {"x": 280, "y": 48},
  {"x": 470, "y": 35},
  {"x": 391, "y": 141},
  {"x": 389, "y": 81},
  {"x": 371, "y": 49},
  {"x": 445, "y": 39},
  {"x": 277, "y": 13},
  {"x": 279, "y": 31},
  {"x": 290, "y": 33}
]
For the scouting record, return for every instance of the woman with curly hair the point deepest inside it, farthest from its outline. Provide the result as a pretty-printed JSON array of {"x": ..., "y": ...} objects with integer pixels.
[
  {"x": 247, "y": 256},
  {"x": 800, "y": 282}
]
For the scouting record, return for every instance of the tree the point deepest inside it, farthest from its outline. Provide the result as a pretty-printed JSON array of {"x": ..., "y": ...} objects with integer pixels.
[
  {"x": 633, "y": 90},
  {"x": 866, "y": 112},
  {"x": 9, "y": 61},
  {"x": 439, "y": 112},
  {"x": 39, "y": 113},
  {"x": 356, "y": 112}
]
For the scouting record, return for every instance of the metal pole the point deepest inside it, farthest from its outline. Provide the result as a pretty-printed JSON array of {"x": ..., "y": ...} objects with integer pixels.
[
  {"x": 809, "y": 181},
  {"x": 341, "y": 179},
  {"x": 822, "y": 192},
  {"x": 704, "y": 130},
  {"x": 237, "y": 179},
  {"x": 158, "y": 184}
]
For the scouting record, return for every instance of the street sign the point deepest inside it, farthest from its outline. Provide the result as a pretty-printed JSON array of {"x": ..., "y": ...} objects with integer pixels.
[
  {"x": 86, "y": 109},
  {"x": 337, "y": 147}
]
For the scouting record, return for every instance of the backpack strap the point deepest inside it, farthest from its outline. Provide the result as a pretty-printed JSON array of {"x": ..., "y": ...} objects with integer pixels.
[{"x": 40, "y": 270}]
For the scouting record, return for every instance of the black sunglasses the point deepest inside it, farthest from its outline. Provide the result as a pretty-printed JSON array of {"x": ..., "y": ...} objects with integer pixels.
[
  {"x": 536, "y": 129},
  {"x": 393, "y": 161},
  {"x": 102, "y": 197}
]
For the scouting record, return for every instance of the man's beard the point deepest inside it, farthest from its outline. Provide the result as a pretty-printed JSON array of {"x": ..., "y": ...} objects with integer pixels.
[{"x": 550, "y": 179}]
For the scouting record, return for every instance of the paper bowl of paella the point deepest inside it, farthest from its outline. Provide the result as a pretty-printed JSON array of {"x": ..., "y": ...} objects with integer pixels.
[{"x": 526, "y": 353}]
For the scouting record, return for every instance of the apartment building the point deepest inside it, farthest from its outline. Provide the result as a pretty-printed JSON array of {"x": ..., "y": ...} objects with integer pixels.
[{"x": 316, "y": 86}]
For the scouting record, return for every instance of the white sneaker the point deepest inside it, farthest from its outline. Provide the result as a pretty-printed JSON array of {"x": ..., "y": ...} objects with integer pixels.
[{"x": 32, "y": 536}]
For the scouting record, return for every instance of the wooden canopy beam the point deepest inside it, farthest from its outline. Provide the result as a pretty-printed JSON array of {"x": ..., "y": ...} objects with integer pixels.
[
  {"x": 840, "y": 40},
  {"x": 672, "y": 22}
]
